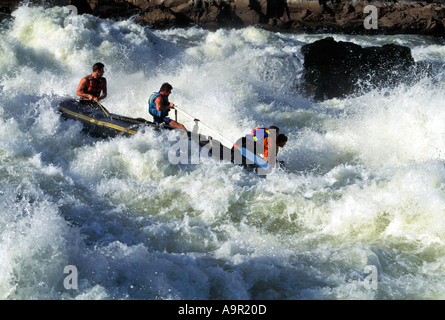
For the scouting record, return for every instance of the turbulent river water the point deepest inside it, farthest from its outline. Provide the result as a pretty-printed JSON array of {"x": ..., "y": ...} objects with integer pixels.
[{"x": 358, "y": 213}]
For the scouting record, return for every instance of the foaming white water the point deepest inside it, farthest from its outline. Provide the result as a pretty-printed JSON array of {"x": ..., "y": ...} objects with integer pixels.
[
  {"x": 364, "y": 183},
  {"x": 395, "y": 128}
]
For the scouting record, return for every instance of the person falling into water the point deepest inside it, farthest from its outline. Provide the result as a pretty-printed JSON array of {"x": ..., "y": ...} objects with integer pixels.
[
  {"x": 93, "y": 87},
  {"x": 159, "y": 107},
  {"x": 259, "y": 141}
]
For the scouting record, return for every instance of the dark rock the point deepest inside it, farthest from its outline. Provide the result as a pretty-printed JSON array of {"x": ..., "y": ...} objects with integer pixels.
[
  {"x": 109, "y": 8},
  {"x": 338, "y": 69},
  {"x": 309, "y": 15},
  {"x": 5, "y": 10},
  {"x": 161, "y": 18}
]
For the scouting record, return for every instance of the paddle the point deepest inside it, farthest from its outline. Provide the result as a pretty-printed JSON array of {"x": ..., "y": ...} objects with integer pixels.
[
  {"x": 203, "y": 124},
  {"x": 104, "y": 109}
]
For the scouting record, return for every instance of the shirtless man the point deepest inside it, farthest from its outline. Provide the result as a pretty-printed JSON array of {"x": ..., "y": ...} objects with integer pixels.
[{"x": 93, "y": 87}]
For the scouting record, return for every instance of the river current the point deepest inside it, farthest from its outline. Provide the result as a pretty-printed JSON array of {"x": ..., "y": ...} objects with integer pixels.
[{"x": 358, "y": 212}]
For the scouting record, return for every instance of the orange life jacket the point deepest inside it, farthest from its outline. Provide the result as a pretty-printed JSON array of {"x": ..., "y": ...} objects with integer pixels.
[
  {"x": 95, "y": 86},
  {"x": 264, "y": 134},
  {"x": 261, "y": 135}
]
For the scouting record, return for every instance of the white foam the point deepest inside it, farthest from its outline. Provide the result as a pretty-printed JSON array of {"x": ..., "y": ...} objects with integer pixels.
[{"x": 363, "y": 186}]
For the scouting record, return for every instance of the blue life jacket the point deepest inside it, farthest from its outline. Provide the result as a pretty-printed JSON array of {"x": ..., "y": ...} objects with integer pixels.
[{"x": 152, "y": 106}]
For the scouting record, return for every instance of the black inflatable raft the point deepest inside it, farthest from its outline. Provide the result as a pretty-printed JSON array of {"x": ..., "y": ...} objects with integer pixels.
[{"x": 99, "y": 122}]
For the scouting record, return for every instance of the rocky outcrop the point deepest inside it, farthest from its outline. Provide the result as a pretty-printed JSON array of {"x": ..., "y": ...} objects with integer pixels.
[
  {"x": 337, "y": 69},
  {"x": 308, "y": 15}
]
